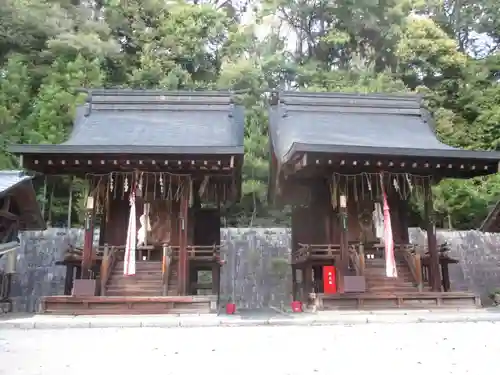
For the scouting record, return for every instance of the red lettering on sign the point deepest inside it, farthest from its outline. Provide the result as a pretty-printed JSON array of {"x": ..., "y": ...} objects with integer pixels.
[{"x": 329, "y": 280}]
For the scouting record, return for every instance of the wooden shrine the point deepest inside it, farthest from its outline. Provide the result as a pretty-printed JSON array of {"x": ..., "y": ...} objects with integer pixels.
[
  {"x": 180, "y": 154},
  {"x": 19, "y": 211},
  {"x": 491, "y": 224},
  {"x": 334, "y": 156}
]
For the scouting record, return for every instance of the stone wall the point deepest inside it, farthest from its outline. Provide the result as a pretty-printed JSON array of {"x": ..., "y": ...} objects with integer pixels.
[
  {"x": 256, "y": 273},
  {"x": 36, "y": 273},
  {"x": 478, "y": 254}
]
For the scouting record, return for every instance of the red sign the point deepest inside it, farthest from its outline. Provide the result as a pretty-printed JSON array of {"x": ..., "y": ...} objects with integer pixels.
[{"x": 329, "y": 280}]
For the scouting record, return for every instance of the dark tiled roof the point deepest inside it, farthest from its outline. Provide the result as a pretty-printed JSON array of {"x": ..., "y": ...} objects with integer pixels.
[
  {"x": 492, "y": 222},
  {"x": 10, "y": 180},
  {"x": 20, "y": 187},
  {"x": 393, "y": 125},
  {"x": 149, "y": 122}
]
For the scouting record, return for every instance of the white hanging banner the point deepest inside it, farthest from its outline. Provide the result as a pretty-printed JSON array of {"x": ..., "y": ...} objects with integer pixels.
[
  {"x": 390, "y": 260},
  {"x": 131, "y": 244}
]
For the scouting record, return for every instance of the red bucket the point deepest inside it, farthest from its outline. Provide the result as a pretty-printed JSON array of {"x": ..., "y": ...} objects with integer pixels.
[
  {"x": 296, "y": 306},
  {"x": 230, "y": 308}
]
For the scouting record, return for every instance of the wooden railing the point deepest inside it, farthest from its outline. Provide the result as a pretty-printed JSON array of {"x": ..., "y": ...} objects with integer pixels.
[
  {"x": 166, "y": 268},
  {"x": 412, "y": 257},
  {"x": 4, "y": 286},
  {"x": 358, "y": 253},
  {"x": 109, "y": 257},
  {"x": 316, "y": 252},
  {"x": 357, "y": 259},
  {"x": 198, "y": 252}
]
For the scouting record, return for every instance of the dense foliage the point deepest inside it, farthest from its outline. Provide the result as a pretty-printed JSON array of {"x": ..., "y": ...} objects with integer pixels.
[{"x": 447, "y": 49}]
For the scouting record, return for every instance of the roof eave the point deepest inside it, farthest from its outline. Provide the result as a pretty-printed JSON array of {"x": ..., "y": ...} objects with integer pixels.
[
  {"x": 489, "y": 156},
  {"x": 125, "y": 149},
  {"x": 476, "y": 163},
  {"x": 30, "y": 219},
  {"x": 489, "y": 221}
]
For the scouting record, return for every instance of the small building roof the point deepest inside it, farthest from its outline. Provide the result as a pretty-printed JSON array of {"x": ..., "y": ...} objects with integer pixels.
[
  {"x": 20, "y": 187},
  {"x": 151, "y": 122},
  {"x": 491, "y": 223},
  {"x": 357, "y": 124}
]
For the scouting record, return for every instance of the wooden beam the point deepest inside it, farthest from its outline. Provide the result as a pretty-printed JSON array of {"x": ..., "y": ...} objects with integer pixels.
[
  {"x": 435, "y": 274},
  {"x": 295, "y": 165},
  {"x": 154, "y": 163},
  {"x": 12, "y": 226},
  {"x": 88, "y": 240},
  {"x": 344, "y": 246},
  {"x": 183, "y": 231},
  {"x": 9, "y": 215}
]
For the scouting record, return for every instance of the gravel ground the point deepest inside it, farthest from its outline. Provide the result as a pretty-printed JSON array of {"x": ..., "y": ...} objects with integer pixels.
[{"x": 418, "y": 348}]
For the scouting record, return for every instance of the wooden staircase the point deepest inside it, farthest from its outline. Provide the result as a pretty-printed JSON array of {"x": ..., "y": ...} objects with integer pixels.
[
  {"x": 377, "y": 282},
  {"x": 147, "y": 280},
  {"x": 401, "y": 292},
  {"x": 142, "y": 293}
]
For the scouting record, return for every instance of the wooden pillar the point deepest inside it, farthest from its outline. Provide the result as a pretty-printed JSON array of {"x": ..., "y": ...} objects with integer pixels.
[
  {"x": 216, "y": 278},
  {"x": 183, "y": 231},
  {"x": 344, "y": 249},
  {"x": 435, "y": 277},
  {"x": 68, "y": 280},
  {"x": 403, "y": 209},
  {"x": 446, "y": 277},
  {"x": 307, "y": 279},
  {"x": 104, "y": 223},
  {"x": 294, "y": 282},
  {"x": 78, "y": 273},
  {"x": 88, "y": 238}
]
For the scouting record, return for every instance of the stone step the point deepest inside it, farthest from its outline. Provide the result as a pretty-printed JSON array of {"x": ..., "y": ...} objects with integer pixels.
[
  {"x": 383, "y": 274},
  {"x": 134, "y": 294},
  {"x": 388, "y": 281},
  {"x": 135, "y": 281},
  {"x": 392, "y": 282},
  {"x": 138, "y": 275},
  {"x": 384, "y": 277},
  {"x": 393, "y": 290},
  {"x": 137, "y": 288}
]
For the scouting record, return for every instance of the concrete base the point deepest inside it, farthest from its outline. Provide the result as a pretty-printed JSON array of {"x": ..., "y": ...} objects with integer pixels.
[{"x": 11, "y": 321}]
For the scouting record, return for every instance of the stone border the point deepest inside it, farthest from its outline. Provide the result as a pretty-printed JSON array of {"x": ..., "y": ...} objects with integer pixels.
[{"x": 212, "y": 320}]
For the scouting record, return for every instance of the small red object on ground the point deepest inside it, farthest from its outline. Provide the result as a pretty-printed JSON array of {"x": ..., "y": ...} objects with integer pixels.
[
  {"x": 296, "y": 306},
  {"x": 230, "y": 308}
]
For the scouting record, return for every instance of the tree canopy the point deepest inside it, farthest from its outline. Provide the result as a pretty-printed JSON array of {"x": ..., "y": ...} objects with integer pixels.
[{"x": 446, "y": 49}]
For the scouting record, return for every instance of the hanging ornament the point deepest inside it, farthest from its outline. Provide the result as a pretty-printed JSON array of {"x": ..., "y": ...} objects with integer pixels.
[
  {"x": 177, "y": 195},
  {"x": 125, "y": 185},
  {"x": 408, "y": 181},
  {"x": 398, "y": 187},
  {"x": 191, "y": 195},
  {"x": 111, "y": 182},
  {"x": 169, "y": 193},
  {"x": 404, "y": 189},
  {"x": 355, "y": 189},
  {"x": 362, "y": 187},
  {"x": 154, "y": 186},
  {"x": 395, "y": 184},
  {"x": 141, "y": 183},
  {"x": 162, "y": 185},
  {"x": 333, "y": 189}
]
